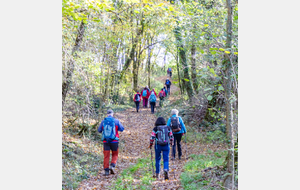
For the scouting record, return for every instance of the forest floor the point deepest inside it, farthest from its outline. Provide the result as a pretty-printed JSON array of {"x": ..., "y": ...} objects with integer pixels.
[{"x": 134, "y": 166}]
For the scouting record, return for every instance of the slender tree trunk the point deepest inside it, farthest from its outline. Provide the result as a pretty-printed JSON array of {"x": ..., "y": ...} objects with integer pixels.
[
  {"x": 135, "y": 74},
  {"x": 70, "y": 67},
  {"x": 193, "y": 64},
  {"x": 148, "y": 62},
  {"x": 182, "y": 57},
  {"x": 134, "y": 44},
  {"x": 229, "y": 180},
  {"x": 178, "y": 72}
]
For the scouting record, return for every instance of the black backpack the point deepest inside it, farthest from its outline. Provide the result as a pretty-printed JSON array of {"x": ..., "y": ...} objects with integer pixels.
[
  {"x": 137, "y": 97},
  {"x": 162, "y": 135},
  {"x": 175, "y": 124}
]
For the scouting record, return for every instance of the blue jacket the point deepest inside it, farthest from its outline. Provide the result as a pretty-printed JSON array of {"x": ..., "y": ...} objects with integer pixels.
[
  {"x": 119, "y": 127},
  {"x": 183, "y": 129}
]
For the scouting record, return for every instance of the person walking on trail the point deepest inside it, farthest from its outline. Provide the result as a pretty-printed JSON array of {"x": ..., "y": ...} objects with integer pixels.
[
  {"x": 170, "y": 72},
  {"x": 178, "y": 129},
  {"x": 145, "y": 94},
  {"x": 152, "y": 99},
  {"x": 109, "y": 128},
  {"x": 161, "y": 96},
  {"x": 168, "y": 84},
  {"x": 166, "y": 91},
  {"x": 163, "y": 137},
  {"x": 137, "y": 99},
  {"x": 148, "y": 104},
  {"x": 153, "y": 90}
]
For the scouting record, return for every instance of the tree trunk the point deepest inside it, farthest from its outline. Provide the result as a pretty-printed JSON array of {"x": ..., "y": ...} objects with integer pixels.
[
  {"x": 178, "y": 72},
  {"x": 135, "y": 74},
  {"x": 70, "y": 67},
  {"x": 134, "y": 44},
  {"x": 149, "y": 63},
  {"x": 229, "y": 180},
  {"x": 182, "y": 57},
  {"x": 193, "y": 64}
]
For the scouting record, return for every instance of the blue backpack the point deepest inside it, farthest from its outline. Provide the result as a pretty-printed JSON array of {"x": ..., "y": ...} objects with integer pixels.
[
  {"x": 109, "y": 130},
  {"x": 144, "y": 93},
  {"x": 167, "y": 82},
  {"x": 152, "y": 98}
]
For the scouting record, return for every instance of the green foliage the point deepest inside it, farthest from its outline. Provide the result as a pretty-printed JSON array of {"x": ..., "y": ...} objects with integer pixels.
[
  {"x": 80, "y": 161},
  {"x": 139, "y": 171},
  {"x": 193, "y": 176}
]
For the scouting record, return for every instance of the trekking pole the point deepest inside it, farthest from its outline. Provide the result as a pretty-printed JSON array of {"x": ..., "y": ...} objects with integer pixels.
[
  {"x": 173, "y": 162},
  {"x": 152, "y": 163},
  {"x": 185, "y": 148}
]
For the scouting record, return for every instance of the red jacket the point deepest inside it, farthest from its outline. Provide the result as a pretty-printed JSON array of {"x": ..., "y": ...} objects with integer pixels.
[
  {"x": 163, "y": 92},
  {"x": 148, "y": 93},
  {"x": 135, "y": 95}
]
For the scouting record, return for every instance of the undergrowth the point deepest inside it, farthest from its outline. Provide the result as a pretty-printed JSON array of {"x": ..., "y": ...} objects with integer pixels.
[
  {"x": 137, "y": 176},
  {"x": 214, "y": 135},
  {"x": 204, "y": 171},
  {"x": 81, "y": 159}
]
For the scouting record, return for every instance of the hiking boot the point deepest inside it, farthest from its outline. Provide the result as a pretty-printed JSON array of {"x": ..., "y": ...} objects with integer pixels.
[
  {"x": 106, "y": 172},
  {"x": 157, "y": 175},
  {"x": 112, "y": 169},
  {"x": 179, "y": 157},
  {"x": 173, "y": 158},
  {"x": 166, "y": 174}
]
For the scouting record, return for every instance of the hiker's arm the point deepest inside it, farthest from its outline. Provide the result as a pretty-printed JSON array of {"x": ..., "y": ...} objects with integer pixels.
[
  {"x": 100, "y": 127},
  {"x": 169, "y": 122},
  {"x": 182, "y": 124},
  {"x": 153, "y": 135},
  {"x": 120, "y": 126},
  {"x": 171, "y": 136}
]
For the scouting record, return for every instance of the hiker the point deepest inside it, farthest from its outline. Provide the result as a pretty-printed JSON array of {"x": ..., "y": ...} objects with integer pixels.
[
  {"x": 137, "y": 100},
  {"x": 168, "y": 84},
  {"x": 163, "y": 136},
  {"x": 152, "y": 100},
  {"x": 110, "y": 137},
  {"x": 161, "y": 96},
  {"x": 153, "y": 90},
  {"x": 145, "y": 94},
  {"x": 166, "y": 91},
  {"x": 148, "y": 88},
  {"x": 170, "y": 72},
  {"x": 178, "y": 129}
]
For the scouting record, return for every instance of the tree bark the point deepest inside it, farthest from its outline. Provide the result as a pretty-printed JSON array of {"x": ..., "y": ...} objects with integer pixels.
[
  {"x": 149, "y": 63},
  {"x": 193, "y": 64},
  {"x": 229, "y": 181},
  {"x": 177, "y": 57},
  {"x": 134, "y": 44},
  {"x": 67, "y": 81}
]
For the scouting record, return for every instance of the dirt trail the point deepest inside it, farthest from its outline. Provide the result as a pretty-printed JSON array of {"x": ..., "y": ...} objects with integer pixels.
[{"x": 134, "y": 141}]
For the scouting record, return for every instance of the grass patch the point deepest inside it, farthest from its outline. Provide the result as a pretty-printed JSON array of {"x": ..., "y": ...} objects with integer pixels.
[
  {"x": 141, "y": 171},
  {"x": 196, "y": 172},
  {"x": 81, "y": 159}
]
